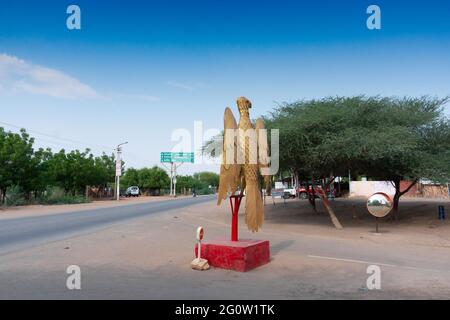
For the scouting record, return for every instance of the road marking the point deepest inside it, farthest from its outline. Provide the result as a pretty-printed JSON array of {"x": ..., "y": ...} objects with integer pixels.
[
  {"x": 354, "y": 261},
  {"x": 376, "y": 263}
]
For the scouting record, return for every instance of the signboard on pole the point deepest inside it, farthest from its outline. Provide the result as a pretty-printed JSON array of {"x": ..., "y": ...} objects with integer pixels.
[
  {"x": 177, "y": 157},
  {"x": 166, "y": 156},
  {"x": 118, "y": 166}
]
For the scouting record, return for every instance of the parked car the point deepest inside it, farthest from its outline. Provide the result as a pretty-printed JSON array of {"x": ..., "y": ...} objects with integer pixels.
[
  {"x": 303, "y": 192},
  {"x": 132, "y": 192},
  {"x": 290, "y": 192}
]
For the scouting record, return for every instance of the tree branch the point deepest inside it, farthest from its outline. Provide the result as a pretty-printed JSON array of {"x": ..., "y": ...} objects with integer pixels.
[
  {"x": 331, "y": 181},
  {"x": 409, "y": 187}
]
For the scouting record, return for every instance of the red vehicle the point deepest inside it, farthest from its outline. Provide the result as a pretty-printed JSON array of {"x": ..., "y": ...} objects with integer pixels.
[{"x": 304, "y": 193}]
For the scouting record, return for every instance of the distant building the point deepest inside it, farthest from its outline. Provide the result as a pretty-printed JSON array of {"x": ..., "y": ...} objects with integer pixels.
[{"x": 422, "y": 189}]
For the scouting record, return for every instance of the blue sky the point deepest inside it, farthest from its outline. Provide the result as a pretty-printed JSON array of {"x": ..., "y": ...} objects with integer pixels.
[{"x": 137, "y": 70}]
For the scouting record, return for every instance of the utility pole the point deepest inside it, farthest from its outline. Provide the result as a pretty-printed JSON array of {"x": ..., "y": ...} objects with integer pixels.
[
  {"x": 349, "y": 182},
  {"x": 171, "y": 178},
  {"x": 175, "y": 179},
  {"x": 176, "y": 159},
  {"x": 119, "y": 169}
]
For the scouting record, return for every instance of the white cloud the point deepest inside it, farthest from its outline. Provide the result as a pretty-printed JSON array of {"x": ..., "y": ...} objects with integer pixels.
[
  {"x": 145, "y": 97},
  {"x": 18, "y": 76},
  {"x": 179, "y": 85}
]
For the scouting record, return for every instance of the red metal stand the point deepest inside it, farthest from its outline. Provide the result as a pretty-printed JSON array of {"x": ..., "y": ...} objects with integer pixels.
[
  {"x": 242, "y": 255},
  {"x": 234, "y": 215}
]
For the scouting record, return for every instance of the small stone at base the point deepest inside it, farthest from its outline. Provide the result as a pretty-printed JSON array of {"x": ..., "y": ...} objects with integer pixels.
[{"x": 199, "y": 264}]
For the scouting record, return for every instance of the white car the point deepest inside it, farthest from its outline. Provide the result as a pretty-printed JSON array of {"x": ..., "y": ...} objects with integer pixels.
[
  {"x": 132, "y": 192},
  {"x": 291, "y": 192}
]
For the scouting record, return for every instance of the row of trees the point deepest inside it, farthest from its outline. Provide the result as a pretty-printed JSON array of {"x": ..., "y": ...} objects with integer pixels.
[
  {"x": 390, "y": 139},
  {"x": 33, "y": 171},
  {"x": 202, "y": 182},
  {"x": 152, "y": 180}
]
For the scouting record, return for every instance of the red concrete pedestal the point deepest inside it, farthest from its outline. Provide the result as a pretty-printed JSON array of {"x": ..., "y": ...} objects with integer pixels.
[{"x": 242, "y": 255}]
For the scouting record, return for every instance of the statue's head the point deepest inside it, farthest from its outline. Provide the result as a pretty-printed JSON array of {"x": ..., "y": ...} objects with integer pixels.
[{"x": 243, "y": 104}]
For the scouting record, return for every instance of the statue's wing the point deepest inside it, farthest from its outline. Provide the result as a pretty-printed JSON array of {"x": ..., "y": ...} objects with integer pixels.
[
  {"x": 263, "y": 151},
  {"x": 229, "y": 170},
  {"x": 263, "y": 148}
]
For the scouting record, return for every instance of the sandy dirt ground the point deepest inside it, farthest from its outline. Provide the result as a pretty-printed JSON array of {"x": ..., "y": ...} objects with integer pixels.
[
  {"x": 37, "y": 210},
  {"x": 149, "y": 258}
]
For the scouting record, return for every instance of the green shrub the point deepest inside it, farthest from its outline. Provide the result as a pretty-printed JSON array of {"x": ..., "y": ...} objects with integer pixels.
[
  {"x": 207, "y": 190},
  {"x": 15, "y": 196},
  {"x": 55, "y": 195}
]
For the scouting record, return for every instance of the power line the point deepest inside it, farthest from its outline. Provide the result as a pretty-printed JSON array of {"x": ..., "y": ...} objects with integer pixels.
[
  {"x": 59, "y": 144},
  {"x": 71, "y": 141}
]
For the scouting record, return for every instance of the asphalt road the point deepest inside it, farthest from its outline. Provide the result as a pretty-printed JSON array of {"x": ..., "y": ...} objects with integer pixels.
[
  {"x": 129, "y": 262},
  {"x": 27, "y": 232}
]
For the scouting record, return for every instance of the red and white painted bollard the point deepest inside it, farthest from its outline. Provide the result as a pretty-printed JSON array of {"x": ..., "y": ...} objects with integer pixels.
[
  {"x": 239, "y": 255},
  {"x": 199, "y": 263},
  {"x": 199, "y": 241}
]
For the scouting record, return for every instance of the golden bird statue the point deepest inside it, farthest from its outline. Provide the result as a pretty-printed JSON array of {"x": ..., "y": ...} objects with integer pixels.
[{"x": 244, "y": 154}]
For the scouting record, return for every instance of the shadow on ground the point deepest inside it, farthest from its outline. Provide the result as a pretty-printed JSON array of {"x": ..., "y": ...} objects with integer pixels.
[{"x": 353, "y": 213}]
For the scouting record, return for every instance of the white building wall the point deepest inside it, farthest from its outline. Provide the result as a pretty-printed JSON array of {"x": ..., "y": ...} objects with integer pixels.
[{"x": 367, "y": 188}]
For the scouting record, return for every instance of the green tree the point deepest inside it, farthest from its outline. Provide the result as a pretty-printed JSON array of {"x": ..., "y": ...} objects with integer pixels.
[
  {"x": 75, "y": 170},
  {"x": 42, "y": 179},
  {"x": 209, "y": 178},
  {"x": 32, "y": 171},
  {"x": 18, "y": 166},
  {"x": 105, "y": 170},
  {"x": 384, "y": 138},
  {"x": 186, "y": 182},
  {"x": 130, "y": 178},
  {"x": 154, "y": 178}
]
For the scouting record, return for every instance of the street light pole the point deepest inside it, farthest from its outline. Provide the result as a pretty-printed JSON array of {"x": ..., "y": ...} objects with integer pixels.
[
  {"x": 119, "y": 168},
  {"x": 171, "y": 178},
  {"x": 174, "y": 179}
]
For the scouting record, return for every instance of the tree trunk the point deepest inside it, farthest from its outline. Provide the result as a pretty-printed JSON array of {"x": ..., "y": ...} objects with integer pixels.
[
  {"x": 396, "y": 202},
  {"x": 312, "y": 196},
  {"x": 398, "y": 194},
  {"x": 312, "y": 200},
  {"x": 327, "y": 205},
  {"x": 330, "y": 210},
  {"x": 3, "y": 195}
]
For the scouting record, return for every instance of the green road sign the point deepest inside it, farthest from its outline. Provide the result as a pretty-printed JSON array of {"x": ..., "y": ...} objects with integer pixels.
[
  {"x": 166, "y": 156},
  {"x": 177, "y": 157}
]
